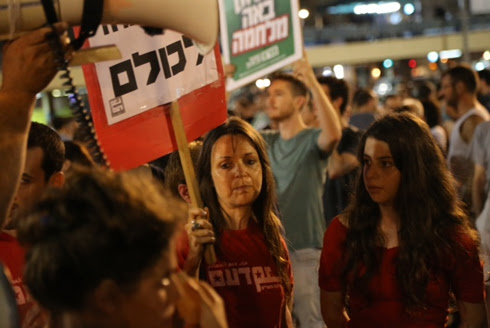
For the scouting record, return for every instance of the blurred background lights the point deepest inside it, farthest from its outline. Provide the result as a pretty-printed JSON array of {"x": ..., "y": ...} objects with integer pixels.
[
  {"x": 56, "y": 93},
  {"x": 408, "y": 9},
  {"x": 377, "y": 8},
  {"x": 263, "y": 83},
  {"x": 303, "y": 13},
  {"x": 339, "y": 71},
  {"x": 375, "y": 72},
  {"x": 486, "y": 55},
  {"x": 479, "y": 66},
  {"x": 396, "y": 18},
  {"x": 412, "y": 63},
  {"x": 449, "y": 54},
  {"x": 433, "y": 66},
  {"x": 383, "y": 88},
  {"x": 388, "y": 63},
  {"x": 433, "y": 56},
  {"x": 327, "y": 71}
]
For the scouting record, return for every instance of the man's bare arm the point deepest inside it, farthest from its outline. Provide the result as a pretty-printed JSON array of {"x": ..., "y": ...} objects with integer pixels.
[
  {"x": 469, "y": 126},
  {"x": 28, "y": 66},
  {"x": 327, "y": 116},
  {"x": 478, "y": 188},
  {"x": 341, "y": 164}
]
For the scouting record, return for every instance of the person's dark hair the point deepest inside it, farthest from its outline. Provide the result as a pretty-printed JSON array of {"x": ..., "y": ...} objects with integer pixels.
[
  {"x": 392, "y": 96},
  {"x": 298, "y": 88},
  {"x": 432, "y": 113},
  {"x": 411, "y": 105},
  {"x": 465, "y": 75},
  {"x": 174, "y": 173},
  {"x": 49, "y": 141},
  {"x": 78, "y": 154},
  {"x": 362, "y": 97},
  {"x": 484, "y": 75},
  {"x": 80, "y": 136},
  {"x": 309, "y": 102},
  {"x": 161, "y": 162},
  {"x": 338, "y": 89},
  {"x": 403, "y": 108},
  {"x": 263, "y": 207},
  {"x": 425, "y": 90},
  {"x": 59, "y": 122},
  {"x": 157, "y": 173},
  {"x": 100, "y": 226},
  {"x": 427, "y": 203}
]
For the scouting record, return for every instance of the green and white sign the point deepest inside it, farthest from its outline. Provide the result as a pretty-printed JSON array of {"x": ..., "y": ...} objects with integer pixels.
[{"x": 259, "y": 37}]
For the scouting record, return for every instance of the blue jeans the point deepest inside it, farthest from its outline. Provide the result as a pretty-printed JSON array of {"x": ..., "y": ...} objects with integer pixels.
[{"x": 306, "y": 309}]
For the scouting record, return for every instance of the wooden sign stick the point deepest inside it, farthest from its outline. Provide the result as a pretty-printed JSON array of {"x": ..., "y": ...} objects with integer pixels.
[{"x": 189, "y": 172}]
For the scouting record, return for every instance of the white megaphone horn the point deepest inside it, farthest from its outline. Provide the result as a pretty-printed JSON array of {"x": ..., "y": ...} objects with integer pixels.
[{"x": 196, "y": 19}]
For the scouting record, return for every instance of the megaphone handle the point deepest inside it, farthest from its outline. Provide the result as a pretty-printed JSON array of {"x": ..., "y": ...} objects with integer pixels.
[{"x": 78, "y": 108}]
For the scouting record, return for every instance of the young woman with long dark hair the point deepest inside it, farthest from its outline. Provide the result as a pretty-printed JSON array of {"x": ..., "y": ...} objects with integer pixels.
[{"x": 404, "y": 245}]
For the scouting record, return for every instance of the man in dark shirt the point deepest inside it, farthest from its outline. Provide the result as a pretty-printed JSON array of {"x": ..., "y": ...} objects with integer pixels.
[
  {"x": 342, "y": 163},
  {"x": 484, "y": 88}
]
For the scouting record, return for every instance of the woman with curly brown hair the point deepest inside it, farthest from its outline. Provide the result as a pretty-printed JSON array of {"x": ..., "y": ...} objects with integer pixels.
[
  {"x": 404, "y": 244},
  {"x": 253, "y": 271}
]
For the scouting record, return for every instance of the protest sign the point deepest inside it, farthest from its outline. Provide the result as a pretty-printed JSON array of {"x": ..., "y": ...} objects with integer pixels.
[
  {"x": 259, "y": 37},
  {"x": 129, "y": 97}
]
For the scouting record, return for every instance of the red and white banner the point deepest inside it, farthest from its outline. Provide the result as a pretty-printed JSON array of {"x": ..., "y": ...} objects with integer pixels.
[{"x": 128, "y": 96}]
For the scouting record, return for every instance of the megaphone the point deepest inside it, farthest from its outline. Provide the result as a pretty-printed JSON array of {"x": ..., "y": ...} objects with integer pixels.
[{"x": 196, "y": 19}]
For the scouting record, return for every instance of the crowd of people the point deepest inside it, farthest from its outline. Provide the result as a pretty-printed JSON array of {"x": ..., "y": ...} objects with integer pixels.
[{"x": 336, "y": 212}]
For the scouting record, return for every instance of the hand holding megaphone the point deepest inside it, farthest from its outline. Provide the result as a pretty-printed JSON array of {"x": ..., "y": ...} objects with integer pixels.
[
  {"x": 196, "y": 19},
  {"x": 29, "y": 63}
]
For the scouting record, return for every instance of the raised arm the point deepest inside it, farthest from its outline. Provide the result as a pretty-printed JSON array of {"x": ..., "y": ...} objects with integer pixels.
[
  {"x": 327, "y": 116},
  {"x": 341, "y": 164},
  {"x": 28, "y": 66},
  {"x": 478, "y": 188},
  {"x": 469, "y": 126}
]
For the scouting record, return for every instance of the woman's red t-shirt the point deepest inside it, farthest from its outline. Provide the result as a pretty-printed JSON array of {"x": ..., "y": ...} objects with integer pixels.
[{"x": 462, "y": 275}]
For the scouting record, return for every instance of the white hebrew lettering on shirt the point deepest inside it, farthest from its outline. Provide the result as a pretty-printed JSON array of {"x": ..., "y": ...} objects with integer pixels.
[
  {"x": 262, "y": 277},
  {"x": 232, "y": 278},
  {"x": 246, "y": 273}
]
